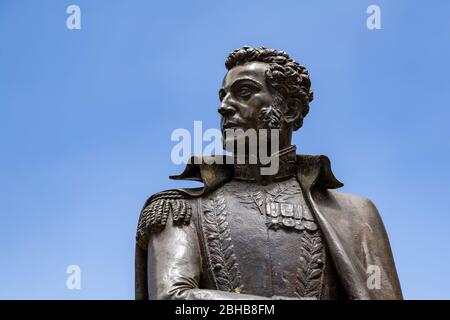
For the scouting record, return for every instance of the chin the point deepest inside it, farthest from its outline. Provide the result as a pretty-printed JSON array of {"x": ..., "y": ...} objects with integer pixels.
[{"x": 232, "y": 142}]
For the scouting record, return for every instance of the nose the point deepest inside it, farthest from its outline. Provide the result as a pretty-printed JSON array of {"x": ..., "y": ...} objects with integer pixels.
[{"x": 226, "y": 110}]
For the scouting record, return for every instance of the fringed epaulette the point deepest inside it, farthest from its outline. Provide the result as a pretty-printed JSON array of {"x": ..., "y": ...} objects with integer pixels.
[{"x": 156, "y": 211}]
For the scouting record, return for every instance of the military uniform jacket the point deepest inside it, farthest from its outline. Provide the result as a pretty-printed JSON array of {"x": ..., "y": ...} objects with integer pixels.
[{"x": 237, "y": 240}]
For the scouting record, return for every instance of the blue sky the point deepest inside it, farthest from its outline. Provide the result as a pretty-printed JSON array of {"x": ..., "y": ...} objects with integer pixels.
[{"x": 86, "y": 117}]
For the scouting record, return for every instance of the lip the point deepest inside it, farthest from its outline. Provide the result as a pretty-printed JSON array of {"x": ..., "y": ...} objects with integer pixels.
[{"x": 230, "y": 125}]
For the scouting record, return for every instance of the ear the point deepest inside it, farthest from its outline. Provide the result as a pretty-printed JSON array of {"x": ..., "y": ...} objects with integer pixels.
[{"x": 293, "y": 110}]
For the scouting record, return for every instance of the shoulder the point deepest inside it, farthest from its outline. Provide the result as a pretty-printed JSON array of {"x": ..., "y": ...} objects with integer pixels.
[
  {"x": 350, "y": 199},
  {"x": 156, "y": 210},
  {"x": 358, "y": 208}
]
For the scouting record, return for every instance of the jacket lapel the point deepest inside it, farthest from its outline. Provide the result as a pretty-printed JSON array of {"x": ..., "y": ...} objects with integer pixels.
[{"x": 315, "y": 172}]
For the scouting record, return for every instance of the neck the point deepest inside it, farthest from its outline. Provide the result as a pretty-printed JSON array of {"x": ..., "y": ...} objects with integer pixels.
[{"x": 283, "y": 164}]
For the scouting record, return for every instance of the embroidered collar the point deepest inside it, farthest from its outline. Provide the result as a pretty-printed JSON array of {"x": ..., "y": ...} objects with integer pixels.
[
  {"x": 253, "y": 172},
  {"x": 312, "y": 171}
]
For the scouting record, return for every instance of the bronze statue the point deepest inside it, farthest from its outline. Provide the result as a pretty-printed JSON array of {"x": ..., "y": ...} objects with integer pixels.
[{"x": 245, "y": 235}]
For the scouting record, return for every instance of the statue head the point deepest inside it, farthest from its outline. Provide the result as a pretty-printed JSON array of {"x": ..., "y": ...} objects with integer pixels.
[{"x": 264, "y": 89}]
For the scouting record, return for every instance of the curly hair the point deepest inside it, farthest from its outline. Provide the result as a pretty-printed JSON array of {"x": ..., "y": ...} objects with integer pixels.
[{"x": 287, "y": 77}]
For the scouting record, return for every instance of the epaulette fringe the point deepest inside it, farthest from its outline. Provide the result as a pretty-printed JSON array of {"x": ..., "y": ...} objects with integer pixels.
[{"x": 154, "y": 216}]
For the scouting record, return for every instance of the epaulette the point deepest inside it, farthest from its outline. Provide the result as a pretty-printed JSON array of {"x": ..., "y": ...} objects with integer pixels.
[{"x": 156, "y": 211}]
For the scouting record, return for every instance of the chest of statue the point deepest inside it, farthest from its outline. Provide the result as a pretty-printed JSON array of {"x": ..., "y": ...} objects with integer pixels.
[{"x": 264, "y": 240}]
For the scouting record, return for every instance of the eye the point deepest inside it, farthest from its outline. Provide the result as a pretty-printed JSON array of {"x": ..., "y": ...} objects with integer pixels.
[{"x": 245, "y": 92}]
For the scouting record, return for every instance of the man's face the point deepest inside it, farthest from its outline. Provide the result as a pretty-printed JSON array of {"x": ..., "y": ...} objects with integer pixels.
[{"x": 243, "y": 94}]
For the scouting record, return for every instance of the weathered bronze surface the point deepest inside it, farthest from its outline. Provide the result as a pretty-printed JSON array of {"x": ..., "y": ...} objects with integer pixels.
[{"x": 250, "y": 236}]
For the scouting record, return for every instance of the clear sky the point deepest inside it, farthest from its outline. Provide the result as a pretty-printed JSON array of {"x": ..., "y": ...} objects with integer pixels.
[{"x": 86, "y": 117}]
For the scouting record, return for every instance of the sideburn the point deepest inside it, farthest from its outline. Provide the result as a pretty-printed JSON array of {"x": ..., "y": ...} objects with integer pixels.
[{"x": 270, "y": 117}]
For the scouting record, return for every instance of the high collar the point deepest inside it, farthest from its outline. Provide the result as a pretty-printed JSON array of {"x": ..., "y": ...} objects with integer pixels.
[
  {"x": 285, "y": 160},
  {"x": 311, "y": 171}
]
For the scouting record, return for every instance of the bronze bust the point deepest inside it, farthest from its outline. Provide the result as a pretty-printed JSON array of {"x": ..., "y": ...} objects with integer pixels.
[{"x": 248, "y": 235}]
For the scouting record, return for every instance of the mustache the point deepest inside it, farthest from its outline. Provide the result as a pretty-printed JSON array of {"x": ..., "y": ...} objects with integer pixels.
[{"x": 269, "y": 117}]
